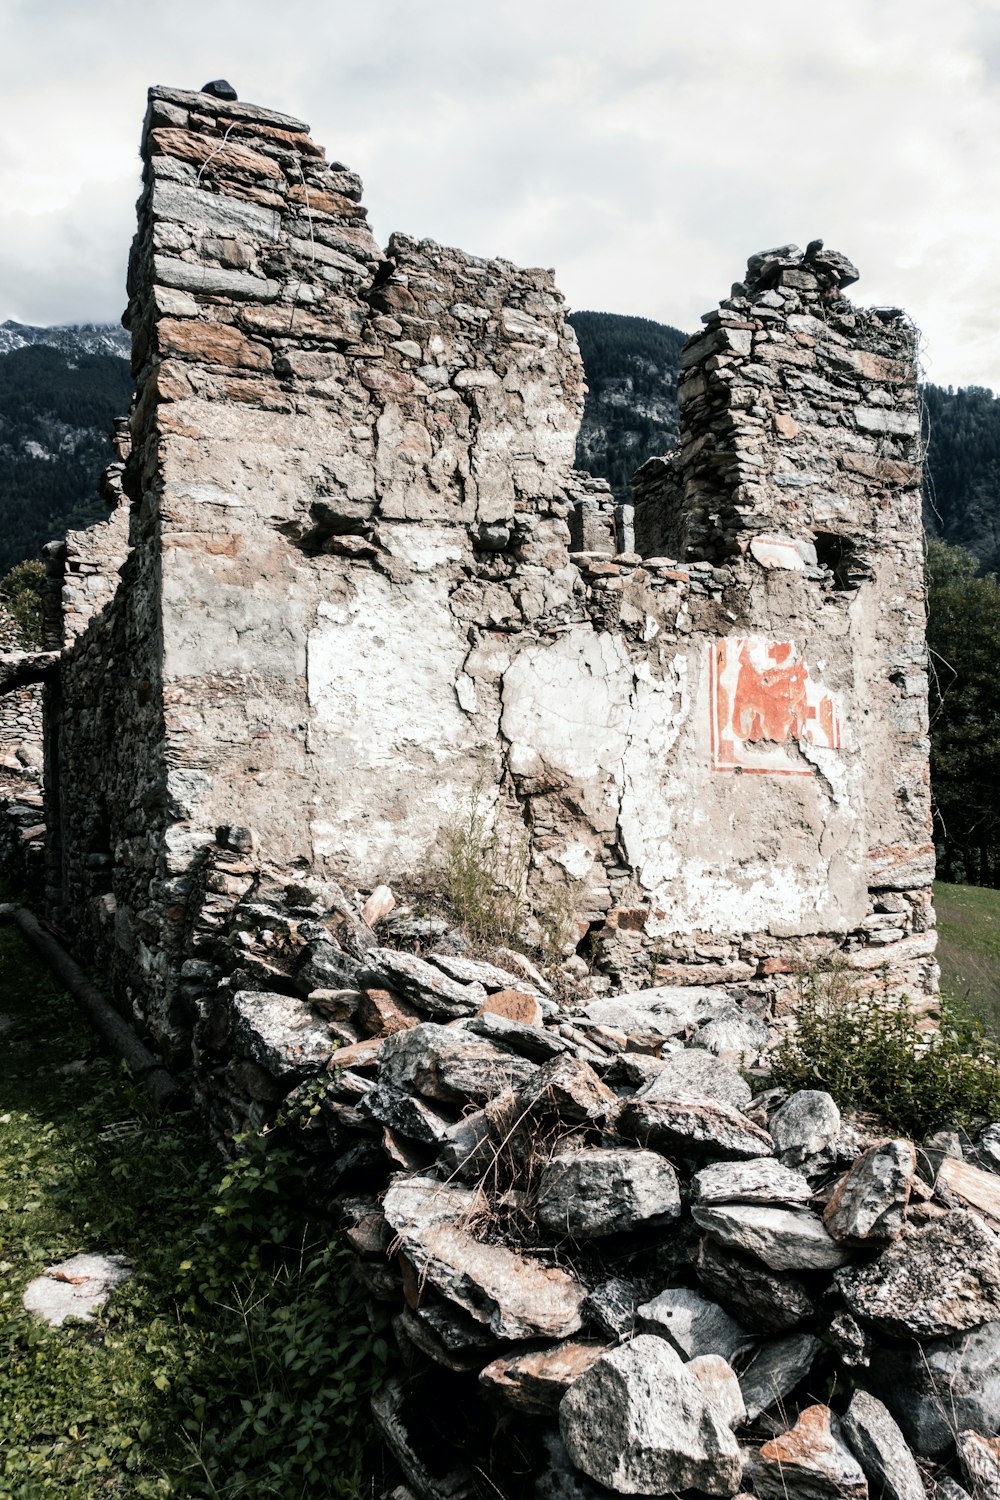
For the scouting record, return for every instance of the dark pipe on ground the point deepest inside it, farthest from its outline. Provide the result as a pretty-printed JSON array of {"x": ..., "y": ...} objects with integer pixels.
[{"x": 106, "y": 1021}]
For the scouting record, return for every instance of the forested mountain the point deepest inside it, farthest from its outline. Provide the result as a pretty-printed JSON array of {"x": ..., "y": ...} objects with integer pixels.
[
  {"x": 962, "y": 429},
  {"x": 73, "y": 339},
  {"x": 58, "y": 402},
  {"x": 631, "y": 410}
]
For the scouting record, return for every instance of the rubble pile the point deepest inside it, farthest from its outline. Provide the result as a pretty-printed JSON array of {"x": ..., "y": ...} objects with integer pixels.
[{"x": 612, "y": 1266}]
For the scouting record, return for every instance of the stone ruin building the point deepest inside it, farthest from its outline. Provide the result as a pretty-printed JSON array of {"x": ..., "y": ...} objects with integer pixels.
[
  {"x": 352, "y": 582},
  {"x": 351, "y": 593}
]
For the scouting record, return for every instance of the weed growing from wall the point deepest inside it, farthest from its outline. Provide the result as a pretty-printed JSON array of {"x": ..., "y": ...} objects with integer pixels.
[{"x": 484, "y": 870}]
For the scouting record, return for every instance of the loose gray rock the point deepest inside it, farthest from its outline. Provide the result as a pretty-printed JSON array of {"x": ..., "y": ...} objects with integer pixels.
[
  {"x": 533, "y": 1042},
  {"x": 476, "y": 971},
  {"x": 785, "y": 1239},
  {"x": 980, "y": 1460},
  {"x": 468, "y": 1146},
  {"x": 569, "y": 1088},
  {"x": 940, "y": 1278},
  {"x": 517, "y": 1296},
  {"x": 630, "y": 1070},
  {"x": 640, "y": 1424},
  {"x": 943, "y": 1145},
  {"x": 695, "y": 1071},
  {"x": 758, "y": 1298},
  {"x": 326, "y": 967},
  {"x": 427, "y": 986},
  {"x": 450, "y": 1064},
  {"x": 559, "y": 1479},
  {"x": 76, "y": 1287},
  {"x": 406, "y": 1113},
  {"x": 693, "y": 1324},
  {"x": 774, "y": 1371},
  {"x": 736, "y": 1031},
  {"x": 720, "y": 1387},
  {"x": 281, "y": 1034},
  {"x": 760, "y": 1180},
  {"x": 881, "y": 1449},
  {"x": 805, "y": 1127},
  {"x": 809, "y": 1462},
  {"x": 939, "y": 1388},
  {"x": 613, "y": 1307},
  {"x": 606, "y": 1191},
  {"x": 692, "y": 1123},
  {"x": 946, "y": 1488},
  {"x": 665, "y": 1010},
  {"x": 869, "y": 1203},
  {"x": 852, "y": 1343},
  {"x": 988, "y": 1148}
]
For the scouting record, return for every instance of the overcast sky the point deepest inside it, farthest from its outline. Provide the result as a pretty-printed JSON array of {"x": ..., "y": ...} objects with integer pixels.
[{"x": 643, "y": 148}]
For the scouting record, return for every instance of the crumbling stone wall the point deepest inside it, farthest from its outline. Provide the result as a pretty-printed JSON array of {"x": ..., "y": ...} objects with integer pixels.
[
  {"x": 22, "y": 821},
  {"x": 366, "y": 587}
]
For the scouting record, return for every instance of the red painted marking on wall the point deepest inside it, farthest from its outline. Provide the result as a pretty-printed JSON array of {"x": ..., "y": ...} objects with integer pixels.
[{"x": 762, "y": 698}]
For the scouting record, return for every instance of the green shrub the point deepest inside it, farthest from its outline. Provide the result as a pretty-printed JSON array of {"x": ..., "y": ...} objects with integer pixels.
[
  {"x": 21, "y": 597},
  {"x": 867, "y": 1050}
]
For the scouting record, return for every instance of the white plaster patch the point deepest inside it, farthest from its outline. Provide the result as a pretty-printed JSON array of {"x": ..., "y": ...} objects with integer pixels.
[
  {"x": 785, "y": 552},
  {"x": 777, "y": 896},
  {"x": 569, "y": 704},
  {"x": 397, "y": 753},
  {"x": 576, "y": 859},
  {"x": 426, "y": 549},
  {"x": 465, "y": 689}
]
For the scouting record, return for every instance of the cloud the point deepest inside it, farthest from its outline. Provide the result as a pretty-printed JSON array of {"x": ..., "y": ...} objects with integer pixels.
[{"x": 643, "y": 151}]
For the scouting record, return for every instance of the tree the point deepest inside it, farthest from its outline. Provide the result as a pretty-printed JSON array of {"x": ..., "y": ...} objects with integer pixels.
[
  {"x": 963, "y": 636},
  {"x": 21, "y": 599}
]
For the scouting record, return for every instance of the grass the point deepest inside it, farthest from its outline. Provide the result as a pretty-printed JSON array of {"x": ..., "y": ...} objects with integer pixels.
[
  {"x": 968, "y": 919},
  {"x": 238, "y": 1360}
]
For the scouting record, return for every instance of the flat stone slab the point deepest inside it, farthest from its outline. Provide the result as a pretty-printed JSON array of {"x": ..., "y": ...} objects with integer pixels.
[
  {"x": 785, "y": 1239},
  {"x": 697, "y": 1071},
  {"x": 761, "y": 1180},
  {"x": 694, "y": 1123},
  {"x": 76, "y": 1288},
  {"x": 517, "y": 1296}
]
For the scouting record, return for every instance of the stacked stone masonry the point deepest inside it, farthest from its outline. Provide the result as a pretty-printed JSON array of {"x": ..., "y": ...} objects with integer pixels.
[
  {"x": 22, "y": 820},
  {"x": 363, "y": 591}
]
